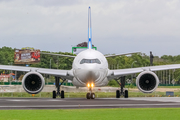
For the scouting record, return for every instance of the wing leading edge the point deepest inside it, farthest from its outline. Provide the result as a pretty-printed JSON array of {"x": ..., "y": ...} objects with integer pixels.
[
  {"x": 121, "y": 54},
  {"x": 124, "y": 72},
  {"x": 67, "y": 74}
]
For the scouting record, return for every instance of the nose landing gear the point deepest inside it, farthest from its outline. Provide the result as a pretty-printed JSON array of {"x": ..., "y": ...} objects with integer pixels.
[
  {"x": 122, "y": 91},
  {"x": 90, "y": 95}
]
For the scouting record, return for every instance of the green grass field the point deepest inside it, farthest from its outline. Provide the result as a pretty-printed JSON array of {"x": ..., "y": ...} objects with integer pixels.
[
  {"x": 168, "y": 86},
  {"x": 83, "y": 94},
  {"x": 98, "y": 94},
  {"x": 93, "y": 114}
]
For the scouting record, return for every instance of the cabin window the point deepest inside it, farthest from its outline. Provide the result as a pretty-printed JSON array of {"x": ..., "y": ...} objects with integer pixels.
[{"x": 90, "y": 61}]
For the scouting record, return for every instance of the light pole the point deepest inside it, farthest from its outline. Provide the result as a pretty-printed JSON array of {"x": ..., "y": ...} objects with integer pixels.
[
  {"x": 50, "y": 68},
  {"x": 50, "y": 64},
  {"x": 132, "y": 67},
  {"x": 11, "y": 72},
  {"x": 169, "y": 76},
  {"x": 57, "y": 62}
]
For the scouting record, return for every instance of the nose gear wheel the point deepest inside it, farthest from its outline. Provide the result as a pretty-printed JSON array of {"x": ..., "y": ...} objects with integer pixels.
[{"x": 90, "y": 95}]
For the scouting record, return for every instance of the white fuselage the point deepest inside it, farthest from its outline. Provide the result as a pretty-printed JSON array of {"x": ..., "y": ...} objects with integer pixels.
[{"x": 90, "y": 66}]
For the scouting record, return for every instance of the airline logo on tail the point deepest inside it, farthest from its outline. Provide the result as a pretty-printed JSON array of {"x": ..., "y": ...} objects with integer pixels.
[{"x": 89, "y": 29}]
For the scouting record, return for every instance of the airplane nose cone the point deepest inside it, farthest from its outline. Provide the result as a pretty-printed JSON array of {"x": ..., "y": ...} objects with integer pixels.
[
  {"x": 92, "y": 76},
  {"x": 88, "y": 75}
]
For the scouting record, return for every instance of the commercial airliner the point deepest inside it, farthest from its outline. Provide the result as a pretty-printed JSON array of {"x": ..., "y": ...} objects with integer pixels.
[{"x": 89, "y": 69}]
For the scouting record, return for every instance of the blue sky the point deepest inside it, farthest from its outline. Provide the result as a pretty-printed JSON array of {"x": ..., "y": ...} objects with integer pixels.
[{"x": 118, "y": 26}]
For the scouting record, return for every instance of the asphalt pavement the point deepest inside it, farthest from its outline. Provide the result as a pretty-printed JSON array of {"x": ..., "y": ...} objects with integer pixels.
[{"x": 82, "y": 103}]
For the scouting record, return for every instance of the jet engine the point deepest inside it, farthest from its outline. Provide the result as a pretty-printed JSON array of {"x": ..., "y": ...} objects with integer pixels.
[
  {"x": 33, "y": 82},
  {"x": 147, "y": 81}
]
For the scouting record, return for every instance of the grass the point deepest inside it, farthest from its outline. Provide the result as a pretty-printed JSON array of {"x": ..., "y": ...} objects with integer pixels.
[
  {"x": 98, "y": 94},
  {"x": 132, "y": 86},
  {"x": 168, "y": 86},
  {"x": 93, "y": 114},
  {"x": 83, "y": 94}
]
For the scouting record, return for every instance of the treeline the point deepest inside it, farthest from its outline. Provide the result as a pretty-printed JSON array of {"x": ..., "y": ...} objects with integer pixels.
[
  {"x": 47, "y": 61},
  {"x": 118, "y": 62}
]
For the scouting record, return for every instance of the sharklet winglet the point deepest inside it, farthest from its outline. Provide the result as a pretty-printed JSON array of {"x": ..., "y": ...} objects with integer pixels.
[{"x": 89, "y": 29}]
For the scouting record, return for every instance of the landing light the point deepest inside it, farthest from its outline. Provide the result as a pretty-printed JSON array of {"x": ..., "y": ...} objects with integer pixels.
[{"x": 90, "y": 85}]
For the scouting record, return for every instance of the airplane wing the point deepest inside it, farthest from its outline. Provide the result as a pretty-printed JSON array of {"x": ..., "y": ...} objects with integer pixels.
[
  {"x": 120, "y": 54},
  {"x": 124, "y": 72},
  {"x": 67, "y": 74},
  {"x": 59, "y": 55}
]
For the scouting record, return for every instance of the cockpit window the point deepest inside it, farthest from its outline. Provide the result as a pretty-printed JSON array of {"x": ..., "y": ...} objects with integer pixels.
[{"x": 90, "y": 61}]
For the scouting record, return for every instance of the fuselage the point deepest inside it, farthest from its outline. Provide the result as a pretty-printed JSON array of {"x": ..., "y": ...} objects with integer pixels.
[{"x": 90, "y": 67}]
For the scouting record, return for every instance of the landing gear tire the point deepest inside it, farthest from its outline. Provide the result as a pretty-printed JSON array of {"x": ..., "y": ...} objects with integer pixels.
[
  {"x": 58, "y": 87},
  {"x": 62, "y": 94},
  {"x": 54, "y": 94},
  {"x": 126, "y": 94},
  {"x": 117, "y": 94},
  {"x": 88, "y": 95},
  {"x": 92, "y": 96}
]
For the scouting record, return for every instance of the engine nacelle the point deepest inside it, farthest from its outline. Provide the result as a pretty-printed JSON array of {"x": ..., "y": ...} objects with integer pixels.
[
  {"x": 147, "y": 81},
  {"x": 33, "y": 82}
]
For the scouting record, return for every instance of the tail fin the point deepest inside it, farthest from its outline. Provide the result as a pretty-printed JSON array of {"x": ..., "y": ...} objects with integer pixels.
[{"x": 89, "y": 29}]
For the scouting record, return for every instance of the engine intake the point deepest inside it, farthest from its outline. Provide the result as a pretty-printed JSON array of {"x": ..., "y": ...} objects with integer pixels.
[
  {"x": 33, "y": 82},
  {"x": 147, "y": 81}
]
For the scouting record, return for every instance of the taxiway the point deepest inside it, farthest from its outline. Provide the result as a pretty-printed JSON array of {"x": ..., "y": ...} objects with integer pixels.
[{"x": 80, "y": 103}]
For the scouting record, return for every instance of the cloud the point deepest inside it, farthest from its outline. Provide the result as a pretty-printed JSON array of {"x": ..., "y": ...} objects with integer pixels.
[
  {"x": 133, "y": 25},
  {"x": 58, "y": 3}
]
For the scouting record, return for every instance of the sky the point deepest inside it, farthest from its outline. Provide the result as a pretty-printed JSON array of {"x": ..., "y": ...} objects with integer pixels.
[{"x": 118, "y": 26}]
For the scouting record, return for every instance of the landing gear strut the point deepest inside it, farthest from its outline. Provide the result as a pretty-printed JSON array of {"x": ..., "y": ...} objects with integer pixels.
[
  {"x": 122, "y": 91},
  {"x": 90, "y": 95},
  {"x": 58, "y": 86}
]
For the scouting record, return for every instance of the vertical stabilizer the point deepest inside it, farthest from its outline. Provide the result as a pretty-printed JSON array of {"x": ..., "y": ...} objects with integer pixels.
[{"x": 89, "y": 29}]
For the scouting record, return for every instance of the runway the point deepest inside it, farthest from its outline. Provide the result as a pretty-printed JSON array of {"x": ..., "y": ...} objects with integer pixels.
[{"x": 82, "y": 103}]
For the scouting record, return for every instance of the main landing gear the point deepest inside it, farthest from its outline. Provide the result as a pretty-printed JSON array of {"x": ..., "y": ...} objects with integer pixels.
[
  {"x": 58, "y": 86},
  {"x": 90, "y": 95},
  {"x": 122, "y": 91}
]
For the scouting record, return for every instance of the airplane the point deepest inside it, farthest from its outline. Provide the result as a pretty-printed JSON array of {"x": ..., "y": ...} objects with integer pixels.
[{"x": 90, "y": 69}]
